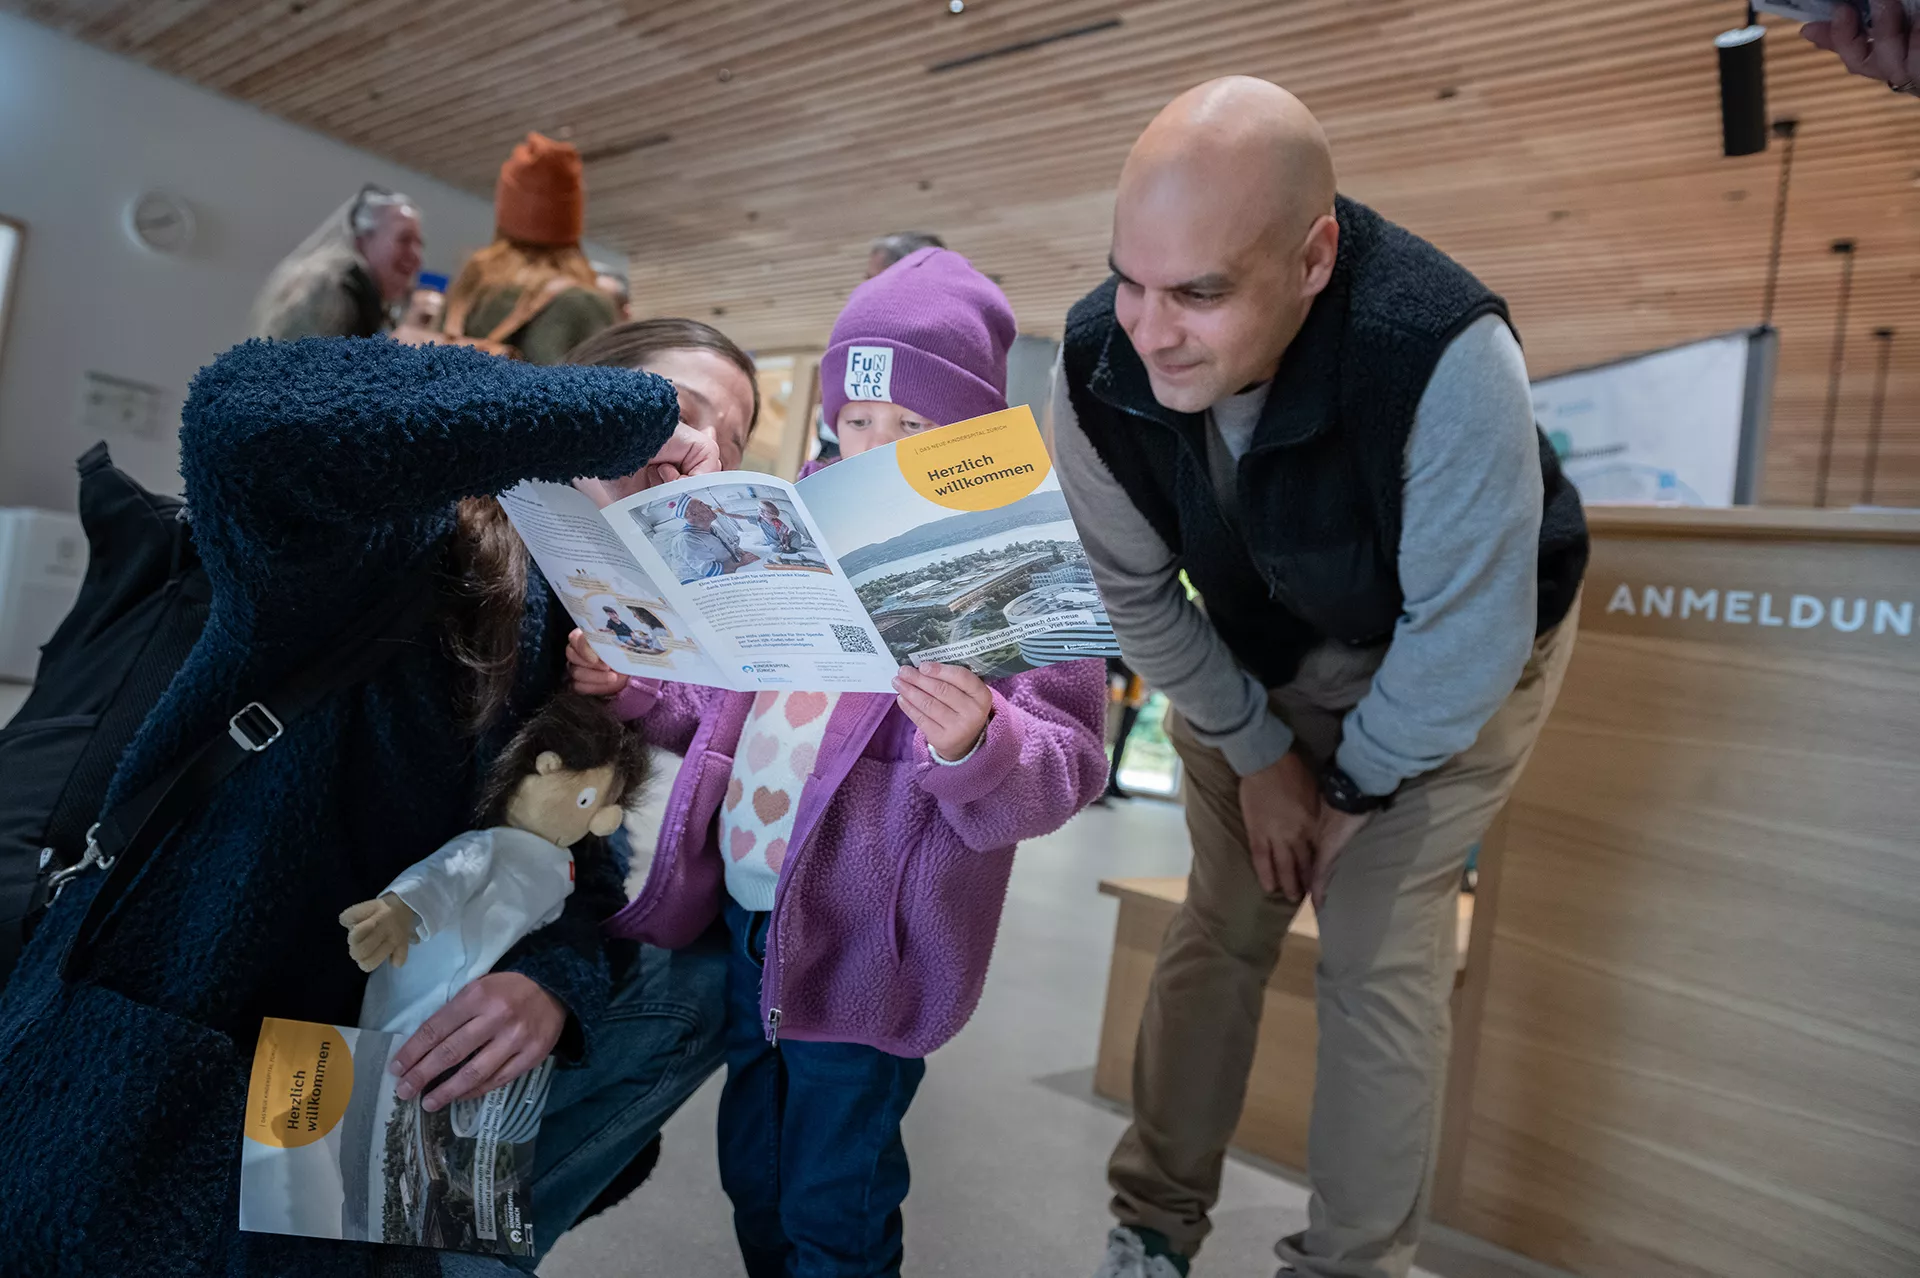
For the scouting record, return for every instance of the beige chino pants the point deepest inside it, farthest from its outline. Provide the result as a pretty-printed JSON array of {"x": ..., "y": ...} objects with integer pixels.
[{"x": 1386, "y": 972}]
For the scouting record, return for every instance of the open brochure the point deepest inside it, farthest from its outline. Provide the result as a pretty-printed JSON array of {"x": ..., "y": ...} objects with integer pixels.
[
  {"x": 952, "y": 546},
  {"x": 331, "y": 1152}
]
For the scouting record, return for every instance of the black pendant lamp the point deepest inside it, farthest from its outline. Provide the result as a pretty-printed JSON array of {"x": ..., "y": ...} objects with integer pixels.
[{"x": 1743, "y": 88}]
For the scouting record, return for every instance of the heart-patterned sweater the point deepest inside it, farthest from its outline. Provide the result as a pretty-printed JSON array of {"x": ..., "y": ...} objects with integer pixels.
[
  {"x": 890, "y": 889},
  {"x": 778, "y": 747}
]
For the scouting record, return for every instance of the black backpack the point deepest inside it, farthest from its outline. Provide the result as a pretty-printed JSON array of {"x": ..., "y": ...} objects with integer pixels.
[{"x": 141, "y": 608}]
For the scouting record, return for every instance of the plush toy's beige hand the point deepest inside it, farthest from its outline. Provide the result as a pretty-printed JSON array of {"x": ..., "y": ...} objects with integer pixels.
[{"x": 379, "y": 931}]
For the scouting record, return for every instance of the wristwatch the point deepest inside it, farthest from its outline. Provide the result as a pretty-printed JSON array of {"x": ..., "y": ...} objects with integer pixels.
[{"x": 1339, "y": 792}]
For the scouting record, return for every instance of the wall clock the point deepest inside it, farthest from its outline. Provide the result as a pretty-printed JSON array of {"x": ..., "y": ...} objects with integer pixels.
[{"x": 161, "y": 222}]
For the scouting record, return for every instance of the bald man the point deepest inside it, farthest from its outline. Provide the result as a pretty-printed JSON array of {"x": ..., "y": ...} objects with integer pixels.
[{"x": 1325, "y": 425}]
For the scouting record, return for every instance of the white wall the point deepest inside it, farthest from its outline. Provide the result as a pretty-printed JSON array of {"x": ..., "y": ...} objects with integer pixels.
[
  {"x": 82, "y": 133},
  {"x": 1030, "y": 372}
]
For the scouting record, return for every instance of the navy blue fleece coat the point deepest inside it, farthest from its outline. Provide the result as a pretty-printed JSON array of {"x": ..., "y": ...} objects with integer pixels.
[{"x": 316, "y": 472}]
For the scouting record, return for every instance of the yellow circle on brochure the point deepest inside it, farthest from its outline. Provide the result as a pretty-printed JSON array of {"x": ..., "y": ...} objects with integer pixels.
[
  {"x": 982, "y": 464},
  {"x": 302, "y": 1080}
]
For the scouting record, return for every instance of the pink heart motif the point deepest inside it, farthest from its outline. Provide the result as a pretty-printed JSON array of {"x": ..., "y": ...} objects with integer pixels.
[
  {"x": 735, "y": 792},
  {"x": 776, "y": 853},
  {"x": 763, "y": 701},
  {"x": 761, "y": 750},
  {"x": 803, "y": 756},
  {"x": 770, "y": 805},
  {"x": 805, "y": 707},
  {"x": 740, "y": 842}
]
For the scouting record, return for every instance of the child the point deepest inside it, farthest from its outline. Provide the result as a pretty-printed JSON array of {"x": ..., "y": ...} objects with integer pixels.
[
  {"x": 858, "y": 845},
  {"x": 622, "y": 633},
  {"x": 775, "y": 529}
]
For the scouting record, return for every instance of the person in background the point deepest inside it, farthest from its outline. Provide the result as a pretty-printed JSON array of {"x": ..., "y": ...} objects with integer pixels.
[
  {"x": 835, "y": 996},
  {"x": 532, "y": 291},
  {"x": 349, "y": 276},
  {"x": 614, "y": 285},
  {"x": 429, "y": 302},
  {"x": 1887, "y": 50},
  {"x": 420, "y": 324},
  {"x": 892, "y": 247}
]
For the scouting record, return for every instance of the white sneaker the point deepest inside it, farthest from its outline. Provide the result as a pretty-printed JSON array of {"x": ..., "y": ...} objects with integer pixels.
[{"x": 1127, "y": 1258}]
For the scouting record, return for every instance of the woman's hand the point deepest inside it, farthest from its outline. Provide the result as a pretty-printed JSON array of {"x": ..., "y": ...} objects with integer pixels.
[
  {"x": 501, "y": 1025},
  {"x": 949, "y": 704},
  {"x": 587, "y": 673},
  {"x": 686, "y": 452},
  {"x": 1888, "y": 52}
]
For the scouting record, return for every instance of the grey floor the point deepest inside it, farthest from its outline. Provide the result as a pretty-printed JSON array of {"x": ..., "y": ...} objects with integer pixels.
[{"x": 1008, "y": 1144}]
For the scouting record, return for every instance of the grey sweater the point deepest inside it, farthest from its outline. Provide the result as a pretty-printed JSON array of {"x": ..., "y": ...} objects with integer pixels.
[{"x": 1468, "y": 556}]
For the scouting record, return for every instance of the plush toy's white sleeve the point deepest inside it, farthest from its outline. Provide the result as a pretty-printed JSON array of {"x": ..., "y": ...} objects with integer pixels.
[{"x": 438, "y": 887}]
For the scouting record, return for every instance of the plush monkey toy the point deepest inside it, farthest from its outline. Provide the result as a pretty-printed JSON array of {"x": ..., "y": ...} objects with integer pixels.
[{"x": 447, "y": 919}]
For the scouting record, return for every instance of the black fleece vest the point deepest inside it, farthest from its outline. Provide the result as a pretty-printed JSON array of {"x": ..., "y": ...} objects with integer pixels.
[{"x": 1320, "y": 486}]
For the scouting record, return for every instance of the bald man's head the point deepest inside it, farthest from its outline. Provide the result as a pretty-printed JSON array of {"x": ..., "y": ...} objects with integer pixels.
[{"x": 1223, "y": 235}]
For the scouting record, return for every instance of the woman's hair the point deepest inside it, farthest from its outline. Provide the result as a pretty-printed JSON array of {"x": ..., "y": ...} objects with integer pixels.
[
  {"x": 488, "y": 594},
  {"x": 633, "y": 343},
  {"x": 488, "y": 562},
  {"x": 645, "y": 617},
  {"x": 373, "y": 204},
  {"x": 510, "y": 263},
  {"x": 584, "y": 733}
]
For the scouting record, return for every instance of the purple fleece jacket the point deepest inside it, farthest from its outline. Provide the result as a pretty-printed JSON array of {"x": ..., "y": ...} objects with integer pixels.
[{"x": 890, "y": 897}]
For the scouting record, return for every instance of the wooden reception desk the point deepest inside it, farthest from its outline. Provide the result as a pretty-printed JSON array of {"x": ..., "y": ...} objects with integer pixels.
[{"x": 1688, "y": 1035}]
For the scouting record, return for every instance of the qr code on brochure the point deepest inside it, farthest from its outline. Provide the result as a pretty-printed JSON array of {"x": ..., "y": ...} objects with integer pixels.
[{"x": 852, "y": 638}]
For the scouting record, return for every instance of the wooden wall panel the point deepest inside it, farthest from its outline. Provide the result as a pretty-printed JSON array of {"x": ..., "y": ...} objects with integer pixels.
[
  {"x": 1699, "y": 1018},
  {"x": 744, "y": 151}
]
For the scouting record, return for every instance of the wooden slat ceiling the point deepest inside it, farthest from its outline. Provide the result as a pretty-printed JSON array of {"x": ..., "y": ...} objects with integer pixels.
[{"x": 743, "y": 152}]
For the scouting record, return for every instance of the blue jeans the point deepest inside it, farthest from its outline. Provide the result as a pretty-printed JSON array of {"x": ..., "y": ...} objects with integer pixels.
[
  {"x": 810, "y": 1148},
  {"x": 659, "y": 1041}
]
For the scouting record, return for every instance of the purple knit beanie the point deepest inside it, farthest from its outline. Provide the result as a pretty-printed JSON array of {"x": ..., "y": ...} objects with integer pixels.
[{"x": 929, "y": 333}]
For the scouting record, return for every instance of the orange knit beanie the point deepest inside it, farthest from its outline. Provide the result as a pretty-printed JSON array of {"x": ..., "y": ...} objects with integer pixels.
[{"x": 541, "y": 197}]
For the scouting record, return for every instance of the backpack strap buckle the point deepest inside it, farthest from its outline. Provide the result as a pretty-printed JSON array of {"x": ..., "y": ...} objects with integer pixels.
[
  {"x": 254, "y": 727},
  {"x": 58, "y": 880}
]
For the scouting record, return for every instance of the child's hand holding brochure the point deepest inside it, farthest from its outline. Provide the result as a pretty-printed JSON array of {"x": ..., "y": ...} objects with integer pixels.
[{"x": 952, "y": 546}]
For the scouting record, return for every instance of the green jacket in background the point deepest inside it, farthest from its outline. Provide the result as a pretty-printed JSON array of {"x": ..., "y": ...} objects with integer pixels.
[{"x": 567, "y": 321}]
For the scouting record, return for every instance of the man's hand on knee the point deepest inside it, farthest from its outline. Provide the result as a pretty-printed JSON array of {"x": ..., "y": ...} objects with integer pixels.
[{"x": 1281, "y": 807}]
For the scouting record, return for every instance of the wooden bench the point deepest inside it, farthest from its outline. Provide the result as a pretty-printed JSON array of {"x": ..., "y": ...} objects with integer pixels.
[{"x": 1280, "y": 1090}]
